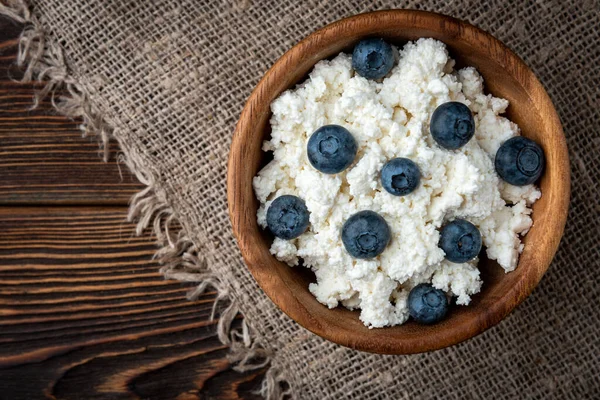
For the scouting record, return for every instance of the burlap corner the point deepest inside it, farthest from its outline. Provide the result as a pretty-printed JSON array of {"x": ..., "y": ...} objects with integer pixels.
[{"x": 167, "y": 79}]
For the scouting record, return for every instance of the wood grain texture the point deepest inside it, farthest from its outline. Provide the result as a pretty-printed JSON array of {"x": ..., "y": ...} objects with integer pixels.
[
  {"x": 43, "y": 158},
  {"x": 85, "y": 315},
  {"x": 506, "y": 76}
]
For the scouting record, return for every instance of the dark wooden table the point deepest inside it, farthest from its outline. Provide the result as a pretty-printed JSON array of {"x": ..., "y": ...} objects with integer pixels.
[{"x": 84, "y": 313}]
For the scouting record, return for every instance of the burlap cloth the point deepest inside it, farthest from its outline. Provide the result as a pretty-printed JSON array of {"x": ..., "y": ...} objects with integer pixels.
[{"x": 168, "y": 79}]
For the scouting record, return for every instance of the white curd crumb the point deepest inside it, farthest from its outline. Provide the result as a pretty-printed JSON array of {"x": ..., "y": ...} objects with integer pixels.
[
  {"x": 461, "y": 280},
  {"x": 388, "y": 119}
]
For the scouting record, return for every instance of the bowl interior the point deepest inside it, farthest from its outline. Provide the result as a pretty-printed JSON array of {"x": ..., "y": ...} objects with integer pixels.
[{"x": 505, "y": 76}]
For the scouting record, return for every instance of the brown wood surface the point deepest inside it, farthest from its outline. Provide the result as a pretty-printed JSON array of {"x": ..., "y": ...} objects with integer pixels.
[
  {"x": 84, "y": 313},
  {"x": 43, "y": 157},
  {"x": 505, "y": 76}
]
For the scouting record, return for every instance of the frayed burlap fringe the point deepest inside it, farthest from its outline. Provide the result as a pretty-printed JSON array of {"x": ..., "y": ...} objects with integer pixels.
[
  {"x": 42, "y": 60},
  {"x": 181, "y": 260}
]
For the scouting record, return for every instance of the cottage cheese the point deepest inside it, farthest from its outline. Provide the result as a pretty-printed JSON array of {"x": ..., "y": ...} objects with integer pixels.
[{"x": 391, "y": 119}]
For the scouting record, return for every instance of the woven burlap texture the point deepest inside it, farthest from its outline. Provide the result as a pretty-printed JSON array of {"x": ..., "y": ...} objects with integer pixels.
[{"x": 168, "y": 79}]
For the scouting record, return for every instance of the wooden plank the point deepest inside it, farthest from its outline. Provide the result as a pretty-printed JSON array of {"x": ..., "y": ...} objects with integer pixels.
[
  {"x": 85, "y": 314},
  {"x": 43, "y": 158}
]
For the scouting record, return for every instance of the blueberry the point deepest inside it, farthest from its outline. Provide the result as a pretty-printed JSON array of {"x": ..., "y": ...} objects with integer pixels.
[
  {"x": 331, "y": 149},
  {"x": 373, "y": 58},
  {"x": 426, "y": 304},
  {"x": 460, "y": 240},
  {"x": 365, "y": 234},
  {"x": 520, "y": 161},
  {"x": 287, "y": 217},
  {"x": 452, "y": 125},
  {"x": 400, "y": 176}
]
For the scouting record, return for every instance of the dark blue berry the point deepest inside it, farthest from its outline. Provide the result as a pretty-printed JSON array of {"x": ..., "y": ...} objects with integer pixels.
[
  {"x": 520, "y": 161},
  {"x": 331, "y": 149},
  {"x": 373, "y": 58},
  {"x": 426, "y": 304},
  {"x": 452, "y": 125},
  {"x": 400, "y": 176},
  {"x": 287, "y": 217},
  {"x": 365, "y": 234},
  {"x": 460, "y": 240}
]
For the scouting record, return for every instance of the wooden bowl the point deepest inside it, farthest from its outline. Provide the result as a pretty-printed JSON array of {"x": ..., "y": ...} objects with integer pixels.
[{"x": 507, "y": 76}]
